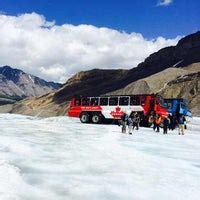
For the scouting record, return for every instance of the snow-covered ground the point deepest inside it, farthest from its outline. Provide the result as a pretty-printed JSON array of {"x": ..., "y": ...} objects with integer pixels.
[{"x": 60, "y": 159}]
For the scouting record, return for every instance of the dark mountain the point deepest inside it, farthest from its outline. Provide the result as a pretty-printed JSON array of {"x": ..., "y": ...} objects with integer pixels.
[
  {"x": 93, "y": 82},
  {"x": 186, "y": 52},
  {"x": 14, "y": 82}
]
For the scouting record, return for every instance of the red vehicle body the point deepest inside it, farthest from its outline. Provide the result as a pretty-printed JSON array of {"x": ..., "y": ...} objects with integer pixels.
[{"x": 97, "y": 109}]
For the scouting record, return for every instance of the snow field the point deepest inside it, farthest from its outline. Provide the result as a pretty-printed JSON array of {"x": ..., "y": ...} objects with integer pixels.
[{"x": 60, "y": 158}]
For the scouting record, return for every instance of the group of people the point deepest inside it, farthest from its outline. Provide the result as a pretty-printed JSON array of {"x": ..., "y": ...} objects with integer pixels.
[
  {"x": 168, "y": 123},
  {"x": 132, "y": 121}
]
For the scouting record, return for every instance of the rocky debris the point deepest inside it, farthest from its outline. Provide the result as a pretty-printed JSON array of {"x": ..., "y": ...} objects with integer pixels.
[
  {"x": 185, "y": 78},
  {"x": 42, "y": 106}
]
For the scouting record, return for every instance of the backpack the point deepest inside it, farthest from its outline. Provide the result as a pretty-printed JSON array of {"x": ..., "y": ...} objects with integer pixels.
[
  {"x": 129, "y": 122},
  {"x": 158, "y": 120},
  {"x": 166, "y": 121}
]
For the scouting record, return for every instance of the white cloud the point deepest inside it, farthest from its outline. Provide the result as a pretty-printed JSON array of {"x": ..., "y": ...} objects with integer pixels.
[
  {"x": 164, "y": 2},
  {"x": 53, "y": 52}
]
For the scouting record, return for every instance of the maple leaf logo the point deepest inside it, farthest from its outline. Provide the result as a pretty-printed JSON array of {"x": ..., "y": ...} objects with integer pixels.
[
  {"x": 117, "y": 113},
  {"x": 117, "y": 109}
]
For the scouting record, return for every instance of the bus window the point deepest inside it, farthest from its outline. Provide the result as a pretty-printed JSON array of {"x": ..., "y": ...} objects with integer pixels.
[
  {"x": 85, "y": 102},
  {"x": 183, "y": 106},
  {"x": 142, "y": 100},
  {"x": 135, "y": 100},
  {"x": 94, "y": 101},
  {"x": 123, "y": 101},
  {"x": 77, "y": 102},
  {"x": 103, "y": 101},
  {"x": 113, "y": 101},
  {"x": 169, "y": 105}
]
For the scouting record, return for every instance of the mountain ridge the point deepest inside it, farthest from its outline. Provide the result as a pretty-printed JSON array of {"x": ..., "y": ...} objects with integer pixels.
[{"x": 15, "y": 82}]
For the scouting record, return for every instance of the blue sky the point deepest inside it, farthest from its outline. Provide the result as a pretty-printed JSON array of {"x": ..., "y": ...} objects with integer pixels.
[
  {"x": 56, "y": 39},
  {"x": 147, "y": 17}
]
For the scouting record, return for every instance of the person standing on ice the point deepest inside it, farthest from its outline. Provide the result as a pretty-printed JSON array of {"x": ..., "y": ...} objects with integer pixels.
[
  {"x": 151, "y": 118},
  {"x": 136, "y": 120},
  {"x": 171, "y": 122},
  {"x": 181, "y": 124},
  {"x": 166, "y": 123},
  {"x": 130, "y": 125},
  {"x": 154, "y": 122},
  {"x": 158, "y": 122},
  {"x": 124, "y": 122}
]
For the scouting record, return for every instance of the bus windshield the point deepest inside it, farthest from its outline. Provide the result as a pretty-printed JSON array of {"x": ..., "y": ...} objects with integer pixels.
[{"x": 160, "y": 101}]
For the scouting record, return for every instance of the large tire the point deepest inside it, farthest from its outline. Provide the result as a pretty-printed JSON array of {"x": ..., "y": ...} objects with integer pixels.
[
  {"x": 85, "y": 117},
  {"x": 96, "y": 118}
]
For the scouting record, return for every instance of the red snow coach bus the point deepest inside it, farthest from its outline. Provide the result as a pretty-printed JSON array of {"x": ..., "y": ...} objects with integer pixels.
[{"x": 98, "y": 109}]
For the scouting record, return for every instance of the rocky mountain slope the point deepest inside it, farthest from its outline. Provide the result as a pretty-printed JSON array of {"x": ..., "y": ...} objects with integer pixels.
[
  {"x": 151, "y": 84},
  {"x": 170, "y": 83},
  {"x": 14, "y": 82},
  {"x": 158, "y": 73},
  {"x": 187, "y": 87}
]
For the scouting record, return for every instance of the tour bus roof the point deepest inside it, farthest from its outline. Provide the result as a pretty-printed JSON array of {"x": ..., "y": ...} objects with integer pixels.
[
  {"x": 178, "y": 99},
  {"x": 80, "y": 96}
]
